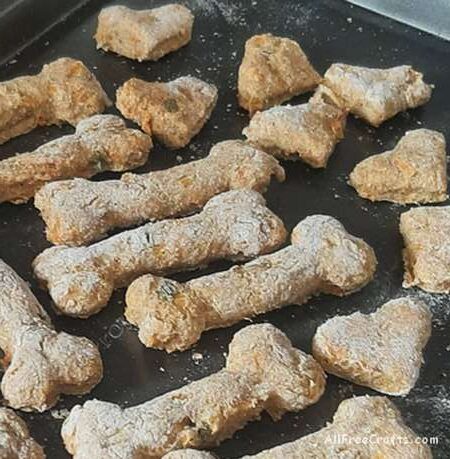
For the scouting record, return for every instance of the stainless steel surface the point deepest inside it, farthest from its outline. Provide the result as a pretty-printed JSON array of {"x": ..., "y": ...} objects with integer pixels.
[{"x": 432, "y": 16}]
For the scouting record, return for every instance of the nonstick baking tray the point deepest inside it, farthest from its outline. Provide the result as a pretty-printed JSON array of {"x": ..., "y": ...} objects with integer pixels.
[{"x": 329, "y": 31}]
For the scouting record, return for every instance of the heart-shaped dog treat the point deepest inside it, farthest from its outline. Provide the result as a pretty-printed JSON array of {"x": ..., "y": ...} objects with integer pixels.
[
  {"x": 426, "y": 255},
  {"x": 273, "y": 70},
  {"x": 382, "y": 350},
  {"x": 415, "y": 171}
]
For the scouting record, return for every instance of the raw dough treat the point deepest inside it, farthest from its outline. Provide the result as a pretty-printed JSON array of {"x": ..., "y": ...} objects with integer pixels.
[
  {"x": 382, "y": 350},
  {"x": 323, "y": 257},
  {"x": 377, "y": 94},
  {"x": 40, "y": 362},
  {"x": 79, "y": 211},
  {"x": 15, "y": 439},
  {"x": 146, "y": 34},
  {"x": 233, "y": 225},
  {"x": 362, "y": 428},
  {"x": 100, "y": 143},
  {"x": 415, "y": 171},
  {"x": 264, "y": 372},
  {"x": 173, "y": 112},
  {"x": 426, "y": 235},
  {"x": 64, "y": 91},
  {"x": 308, "y": 131},
  {"x": 273, "y": 70}
]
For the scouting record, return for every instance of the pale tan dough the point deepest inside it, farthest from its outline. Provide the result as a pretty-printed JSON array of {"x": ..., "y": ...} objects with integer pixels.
[
  {"x": 273, "y": 70},
  {"x": 382, "y": 350},
  {"x": 79, "y": 211},
  {"x": 415, "y": 171},
  {"x": 15, "y": 439},
  {"x": 40, "y": 363},
  {"x": 232, "y": 225},
  {"x": 377, "y": 94},
  {"x": 323, "y": 258},
  {"x": 263, "y": 372},
  {"x": 144, "y": 34},
  {"x": 64, "y": 91},
  {"x": 100, "y": 143},
  {"x": 362, "y": 428},
  {"x": 173, "y": 112},
  {"x": 309, "y": 131},
  {"x": 426, "y": 236}
]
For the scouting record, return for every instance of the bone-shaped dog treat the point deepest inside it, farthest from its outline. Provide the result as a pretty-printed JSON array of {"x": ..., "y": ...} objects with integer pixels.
[
  {"x": 362, "y": 428},
  {"x": 377, "y": 94},
  {"x": 264, "y": 372},
  {"x": 79, "y": 211},
  {"x": 41, "y": 363},
  {"x": 323, "y": 257},
  {"x": 174, "y": 112},
  {"x": 273, "y": 70},
  {"x": 145, "y": 34},
  {"x": 426, "y": 235},
  {"x": 100, "y": 143},
  {"x": 15, "y": 439},
  {"x": 414, "y": 171},
  {"x": 382, "y": 350},
  {"x": 308, "y": 131},
  {"x": 64, "y": 91},
  {"x": 233, "y": 225}
]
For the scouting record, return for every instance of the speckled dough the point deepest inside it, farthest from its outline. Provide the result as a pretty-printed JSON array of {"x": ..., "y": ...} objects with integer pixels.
[
  {"x": 40, "y": 362},
  {"x": 79, "y": 211},
  {"x": 64, "y": 91},
  {"x": 263, "y": 373},
  {"x": 323, "y": 257},
  {"x": 15, "y": 439},
  {"x": 146, "y": 34},
  {"x": 415, "y": 171},
  {"x": 426, "y": 236},
  {"x": 377, "y": 94},
  {"x": 100, "y": 143},
  {"x": 382, "y": 350},
  {"x": 362, "y": 428},
  {"x": 308, "y": 131},
  {"x": 273, "y": 70},
  {"x": 232, "y": 225},
  {"x": 174, "y": 112}
]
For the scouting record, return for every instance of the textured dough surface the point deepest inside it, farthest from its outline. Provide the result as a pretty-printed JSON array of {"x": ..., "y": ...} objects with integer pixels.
[
  {"x": 377, "y": 94},
  {"x": 15, "y": 439},
  {"x": 40, "y": 363},
  {"x": 232, "y": 225},
  {"x": 145, "y": 34},
  {"x": 323, "y": 258},
  {"x": 415, "y": 171},
  {"x": 79, "y": 211},
  {"x": 309, "y": 131},
  {"x": 174, "y": 112},
  {"x": 64, "y": 91},
  {"x": 100, "y": 143},
  {"x": 426, "y": 236},
  {"x": 362, "y": 428},
  {"x": 273, "y": 70},
  {"x": 382, "y": 350},
  {"x": 264, "y": 372}
]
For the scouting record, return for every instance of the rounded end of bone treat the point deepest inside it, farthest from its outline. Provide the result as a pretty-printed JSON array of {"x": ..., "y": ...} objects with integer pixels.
[
  {"x": 291, "y": 378},
  {"x": 244, "y": 198},
  {"x": 80, "y": 294},
  {"x": 48, "y": 364},
  {"x": 169, "y": 315},
  {"x": 345, "y": 263},
  {"x": 70, "y": 80}
]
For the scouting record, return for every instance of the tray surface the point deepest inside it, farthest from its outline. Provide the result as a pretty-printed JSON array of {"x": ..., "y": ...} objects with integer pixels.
[{"x": 329, "y": 31}]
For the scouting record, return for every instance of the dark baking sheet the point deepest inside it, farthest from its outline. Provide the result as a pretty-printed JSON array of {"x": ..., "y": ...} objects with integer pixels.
[{"x": 329, "y": 31}]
